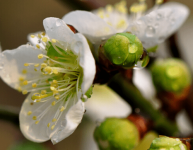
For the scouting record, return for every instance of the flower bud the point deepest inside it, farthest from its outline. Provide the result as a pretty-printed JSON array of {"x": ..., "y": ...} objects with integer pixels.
[
  {"x": 166, "y": 143},
  {"x": 125, "y": 50},
  {"x": 116, "y": 134},
  {"x": 171, "y": 75}
]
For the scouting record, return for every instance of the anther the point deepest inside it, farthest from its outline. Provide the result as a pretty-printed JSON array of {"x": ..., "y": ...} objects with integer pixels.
[
  {"x": 54, "y": 120},
  {"x": 34, "y": 85},
  {"x": 36, "y": 65},
  {"x": 24, "y": 92},
  {"x": 43, "y": 92},
  {"x": 54, "y": 40},
  {"x": 40, "y": 56},
  {"x": 29, "y": 113},
  {"x": 36, "y": 122},
  {"x": 24, "y": 71},
  {"x": 19, "y": 89},
  {"x": 43, "y": 65},
  {"x": 43, "y": 33},
  {"x": 55, "y": 71},
  {"x": 38, "y": 46},
  {"x": 25, "y": 82},
  {"x": 32, "y": 36},
  {"x": 52, "y": 127},
  {"x": 53, "y": 103},
  {"x": 34, "y": 118},
  {"x": 44, "y": 39},
  {"x": 48, "y": 125},
  {"x": 21, "y": 78},
  {"x": 62, "y": 108},
  {"x": 26, "y": 64},
  {"x": 57, "y": 97}
]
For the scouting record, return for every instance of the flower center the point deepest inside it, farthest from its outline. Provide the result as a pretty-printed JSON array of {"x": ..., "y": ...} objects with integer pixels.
[{"x": 59, "y": 76}]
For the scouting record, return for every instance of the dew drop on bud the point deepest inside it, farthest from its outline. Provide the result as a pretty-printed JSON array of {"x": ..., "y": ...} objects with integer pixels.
[{"x": 143, "y": 61}]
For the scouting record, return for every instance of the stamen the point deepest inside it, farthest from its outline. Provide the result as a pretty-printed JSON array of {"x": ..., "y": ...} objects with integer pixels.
[
  {"x": 24, "y": 71},
  {"x": 26, "y": 64},
  {"x": 38, "y": 46},
  {"x": 54, "y": 40},
  {"x": 36, "y": 122},
  {"x": 62, "y": 108},
  {"x": 52, "y": 127},
  {"x": 48, "y": 125},
  {"x": 21, "y": 78},
  {"x": 43, "y": 33},
  {"x": 25, "y": 82},
  {"x": 53, "y": 120},
  {"x": 159, "y": 2},
  {"x": 29, "y": 113},
  {"x": 44, "y": 39},
  {"x": 43, "y": 92},
  {"x": 34, "y": 85},
  {"x": 24, "y": 92},
  {"x": 53, "y": 103},
  {"x": 36, "y": 65},
  {"x": 34, "y": 118},
  {"x": 32, "y": 36},
  {"x": 40, "y": 56}
]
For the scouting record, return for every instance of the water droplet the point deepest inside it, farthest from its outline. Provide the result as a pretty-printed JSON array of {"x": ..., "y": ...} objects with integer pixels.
[
  {"x": 161, "y": 39},
  {"x": 58, "y": 22},
  {"x": 159, "y": 16},
  {"x": 63, "y": 123},
  {"x": 143, "y": 61},
  {"x": 150, "y": 31},
  {"x": 156, "y": 25}
]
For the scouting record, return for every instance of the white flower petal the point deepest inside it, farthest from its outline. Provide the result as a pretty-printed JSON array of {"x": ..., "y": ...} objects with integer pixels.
[
  {"x": 93, "y": 27},
  {"x": 153, "y": 28},
  {"x": 106, "y": 103},
  {"x": 86, "y": 61},
  {"x": 66, "y": 124},
  {"x": 13, "y": 64},
  {"x": 57, "y": 29},
  {"x": 73, "y": 119}
]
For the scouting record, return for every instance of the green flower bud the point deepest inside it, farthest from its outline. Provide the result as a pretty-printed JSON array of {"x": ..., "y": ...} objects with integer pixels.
[
  {"x": 125, "y": 50},
  {"x": 166, "y": 143},
  {"x": 170, "y": 75},
  {"x": 116, "y": 134}
]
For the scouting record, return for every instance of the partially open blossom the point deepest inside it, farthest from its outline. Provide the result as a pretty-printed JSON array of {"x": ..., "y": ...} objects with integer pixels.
[
  {"x": 58, "y": 71},
  {"x": 151, "y": 27}
]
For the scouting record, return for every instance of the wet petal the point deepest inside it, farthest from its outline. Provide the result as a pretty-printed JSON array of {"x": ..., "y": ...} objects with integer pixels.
[
  {"x": 106, "y": 103},
  {"x": 93, "y": 27},
  {"x": 57, "y": 29},
  {"x": 86, "y": 61},
  {"x": 41, "y": 121},
  {"x": 13, "y": 64},
  {"x": 159, "y": 24}
]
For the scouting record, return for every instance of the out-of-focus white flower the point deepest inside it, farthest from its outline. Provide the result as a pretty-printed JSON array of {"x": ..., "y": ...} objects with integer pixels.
[
  {"x": 106, "y": 103},
  {"x": 58, "y": 71},
  {"x": 151, "y": 27}
]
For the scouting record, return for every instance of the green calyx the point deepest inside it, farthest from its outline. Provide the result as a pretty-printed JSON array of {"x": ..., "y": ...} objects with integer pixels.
[
  {"x": 123, "y": 49},
  {"x": 116, "y": 134},
  {"x": 166, "y": 143},
  {"x": 170, "y": 75}
]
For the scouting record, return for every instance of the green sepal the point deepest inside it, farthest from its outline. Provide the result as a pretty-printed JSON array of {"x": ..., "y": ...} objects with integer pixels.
[
  {"x": 152, "y": 49},
  {"x": 89, "y": 92}
]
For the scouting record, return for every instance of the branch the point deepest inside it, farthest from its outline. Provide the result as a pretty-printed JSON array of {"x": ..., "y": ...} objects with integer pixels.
[{"x": 131, "y": 94}]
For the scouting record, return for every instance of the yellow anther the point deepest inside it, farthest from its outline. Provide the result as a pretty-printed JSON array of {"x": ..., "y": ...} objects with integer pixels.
[
  {"x": 21, "y": 78},
  {"x": 57, "y": 97},
  {"x": 100, "y": 13},
  {"x": 19, "y": 89},
  {"x": 109, "y": 8},
  {"x": 43, "y": 92},
  {"x": 29, "y": 113},
  {"x": 32, "y": 36},
  {"x": 62, "y": 108},
  {"x": 36, "y": 65},
  {"x": 24, "y": 92},
  {"x": 52, "y": 88},
  {"x": 43, "y": 33},
  {"x": 34, "y": 85},
  {"x": 48, "y": 69},
  {"x": 54, "y": 120},
  {"x": 121, "y": 23},
  {"x": 40, "y": 56},
  {"x": 54, "y": 40},
  {"x": 48, "y": 125},
  {"x": 159, "y": 2},
  {"x": 26, "y": 64},
  {"x": 38, "y": 46},
  {"x": 53, "y": 103},
  {"x": 142, "y": 0},
  {"x": 24, "y": 71},
  {"x": 43, "y": 65},
  {"x": 52, "y": 127},
  {"x": 55, "y": 81},
  {"x": 44, "y": 39},
  {"x": 34, "y": 118},
  {"x": 36, "y": 122},
  {"x": 55, "y": 91},
  {"x": 35, "y": 69},
  {"x": 38, "y": 100},
  {"x": 25, "y": 82},
  {"x": 55, "y": 71},
  {"x": 39, "y": 35}
]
